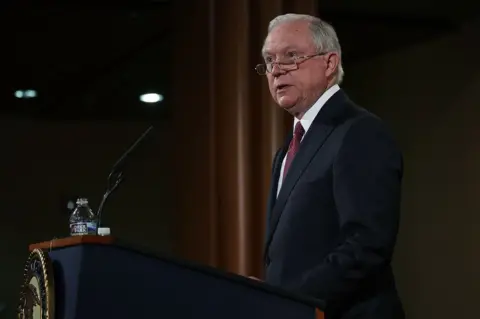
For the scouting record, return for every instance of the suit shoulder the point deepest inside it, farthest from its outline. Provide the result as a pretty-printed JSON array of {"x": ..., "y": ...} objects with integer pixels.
[
  {"x": 362, "y": 127},
  {"x": 356, "y": 112},
  {"x": 361, "y": 120}
]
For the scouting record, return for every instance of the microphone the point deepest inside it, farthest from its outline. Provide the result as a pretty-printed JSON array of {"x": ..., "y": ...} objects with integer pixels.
[{"x": 116, "y": 174}]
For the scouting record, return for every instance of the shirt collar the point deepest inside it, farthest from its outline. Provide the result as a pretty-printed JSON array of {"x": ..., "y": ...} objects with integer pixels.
[{"x": 312, "y": 112}]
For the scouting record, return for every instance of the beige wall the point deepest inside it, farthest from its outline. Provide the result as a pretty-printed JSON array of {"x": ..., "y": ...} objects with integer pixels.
[{"x": 430, "y": 95}]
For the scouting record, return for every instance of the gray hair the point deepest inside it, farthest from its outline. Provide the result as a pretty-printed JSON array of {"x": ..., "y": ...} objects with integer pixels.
[{"x": 323, "y": 34}]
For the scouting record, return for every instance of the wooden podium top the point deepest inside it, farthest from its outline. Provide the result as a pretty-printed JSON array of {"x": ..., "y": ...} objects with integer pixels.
[{"x": 72, "y": 241}]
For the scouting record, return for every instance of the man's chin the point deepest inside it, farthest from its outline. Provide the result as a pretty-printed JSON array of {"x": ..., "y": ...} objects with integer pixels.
[{"x": 286, "y": 104}]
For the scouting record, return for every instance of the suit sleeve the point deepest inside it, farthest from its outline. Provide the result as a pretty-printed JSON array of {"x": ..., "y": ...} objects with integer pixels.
[{"x": 367, "y": 175}]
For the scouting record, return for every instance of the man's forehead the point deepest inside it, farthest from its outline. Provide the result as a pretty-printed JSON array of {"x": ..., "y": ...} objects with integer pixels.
[{"x": 288, "y": 35}]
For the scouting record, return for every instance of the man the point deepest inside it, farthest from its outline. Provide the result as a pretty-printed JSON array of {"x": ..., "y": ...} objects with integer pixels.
[{"x": 333, "y": 211}]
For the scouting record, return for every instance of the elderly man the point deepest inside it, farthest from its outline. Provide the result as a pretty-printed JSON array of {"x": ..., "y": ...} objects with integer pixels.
[{"x": 333, "y": 211}]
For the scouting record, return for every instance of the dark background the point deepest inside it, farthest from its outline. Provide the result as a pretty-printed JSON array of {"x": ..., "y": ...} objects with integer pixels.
[{"x": 414, "y": 63}]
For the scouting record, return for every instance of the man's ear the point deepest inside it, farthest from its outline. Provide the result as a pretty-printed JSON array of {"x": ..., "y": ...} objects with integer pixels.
[{"x": 332, "y": 60}]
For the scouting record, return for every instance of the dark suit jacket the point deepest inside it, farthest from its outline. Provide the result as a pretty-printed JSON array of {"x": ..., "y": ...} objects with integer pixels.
[{"x": 331, "y": 232}]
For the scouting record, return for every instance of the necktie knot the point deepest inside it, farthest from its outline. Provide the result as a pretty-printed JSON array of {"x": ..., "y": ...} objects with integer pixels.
[{"x": 299, "y": 131}]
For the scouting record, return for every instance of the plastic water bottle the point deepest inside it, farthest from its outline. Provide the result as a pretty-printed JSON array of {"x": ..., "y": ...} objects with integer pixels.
[{"x": 83, "y": 220}]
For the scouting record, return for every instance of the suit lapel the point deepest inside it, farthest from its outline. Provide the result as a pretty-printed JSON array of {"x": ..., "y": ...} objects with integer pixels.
[
  {"x": 321, "y": 128},
  {"x": 277, "y": 166},
  {"x": 274, "y": 181}
]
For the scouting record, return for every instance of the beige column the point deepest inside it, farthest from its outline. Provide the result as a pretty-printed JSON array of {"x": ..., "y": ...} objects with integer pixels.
[{"x": 227, "y": 130}]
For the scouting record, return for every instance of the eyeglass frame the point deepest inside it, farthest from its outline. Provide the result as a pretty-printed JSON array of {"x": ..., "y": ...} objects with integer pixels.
[{"x": 295, "y": 61}]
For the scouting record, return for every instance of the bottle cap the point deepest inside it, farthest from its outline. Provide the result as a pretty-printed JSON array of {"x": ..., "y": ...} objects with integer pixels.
[{"x": 104, "y": 231}]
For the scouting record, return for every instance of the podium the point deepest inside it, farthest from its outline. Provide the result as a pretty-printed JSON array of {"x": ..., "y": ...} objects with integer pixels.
[{"x": 93, "y": 277}]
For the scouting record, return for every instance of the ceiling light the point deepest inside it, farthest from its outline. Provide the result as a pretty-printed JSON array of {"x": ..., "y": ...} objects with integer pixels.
[
  {"x": 151, "y": 98},
  {"x": 25, "y": 94},
  {"x": 30, "y": 93}
]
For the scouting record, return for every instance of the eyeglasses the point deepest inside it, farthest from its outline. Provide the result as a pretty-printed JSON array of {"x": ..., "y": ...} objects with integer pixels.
[{"x": 289, "y": 64}]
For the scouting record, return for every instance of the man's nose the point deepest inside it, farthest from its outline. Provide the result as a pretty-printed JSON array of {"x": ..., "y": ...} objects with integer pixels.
[{"x": 276, "y": 70}]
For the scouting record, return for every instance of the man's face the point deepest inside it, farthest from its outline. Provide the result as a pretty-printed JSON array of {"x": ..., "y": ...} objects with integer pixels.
[{"x": 295, "y": 90}]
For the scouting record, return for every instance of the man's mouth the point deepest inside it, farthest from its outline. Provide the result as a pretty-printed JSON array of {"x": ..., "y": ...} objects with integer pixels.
[{"x": 282, "y": 87}]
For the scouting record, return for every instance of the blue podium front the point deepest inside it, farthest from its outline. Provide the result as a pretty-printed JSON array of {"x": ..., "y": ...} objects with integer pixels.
[{"x": 95, "y": 280}]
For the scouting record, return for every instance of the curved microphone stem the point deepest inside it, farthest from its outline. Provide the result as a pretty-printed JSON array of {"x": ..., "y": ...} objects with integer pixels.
[
  {"x": 105, "y": 197},
  {"x": 117, "y": 175}
]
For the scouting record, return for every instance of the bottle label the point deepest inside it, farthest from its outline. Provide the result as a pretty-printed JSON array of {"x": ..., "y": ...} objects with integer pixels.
[{"x": 83, "y": 228}]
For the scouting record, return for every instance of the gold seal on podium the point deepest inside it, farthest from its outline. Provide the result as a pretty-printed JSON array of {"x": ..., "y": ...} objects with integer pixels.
[{"x": 37, "y": 295}]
